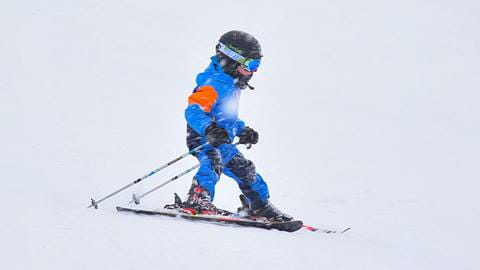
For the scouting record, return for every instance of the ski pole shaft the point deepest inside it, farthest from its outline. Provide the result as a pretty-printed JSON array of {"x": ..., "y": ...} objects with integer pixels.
[
  {"x": 136, "y": 199},
  {"x": 95, "y": 203}
]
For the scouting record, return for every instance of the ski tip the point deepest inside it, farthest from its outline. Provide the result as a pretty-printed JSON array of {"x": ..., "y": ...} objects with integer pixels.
[
  {"x": 314, "y": 229},
  {"x": 310, "y": 228}
]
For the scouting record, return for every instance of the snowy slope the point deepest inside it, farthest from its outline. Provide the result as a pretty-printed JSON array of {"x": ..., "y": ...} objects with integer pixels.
[{"x": 367, "y": 112}]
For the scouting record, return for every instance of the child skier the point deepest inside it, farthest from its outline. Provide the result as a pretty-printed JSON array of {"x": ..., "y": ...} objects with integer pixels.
[{"x": 212, "y": 116}]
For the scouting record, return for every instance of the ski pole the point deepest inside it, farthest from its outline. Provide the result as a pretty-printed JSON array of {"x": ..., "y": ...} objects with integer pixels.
[
  {"x": 95, "y": 203},
  {"x": 136, "y": 199}
]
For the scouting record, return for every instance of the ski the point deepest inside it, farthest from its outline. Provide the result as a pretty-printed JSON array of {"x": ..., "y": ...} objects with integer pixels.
[
  {"x": 245, "y": 205},
  {"x": 289, "y": 226}
]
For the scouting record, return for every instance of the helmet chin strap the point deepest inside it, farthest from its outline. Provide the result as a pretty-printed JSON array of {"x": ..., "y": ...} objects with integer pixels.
[{"x": 244, "y": 80}]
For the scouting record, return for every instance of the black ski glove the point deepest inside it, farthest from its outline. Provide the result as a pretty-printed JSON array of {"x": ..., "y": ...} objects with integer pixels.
[
  {"x": 248, "y": 136},
  {"x": 216, "y": 135}
]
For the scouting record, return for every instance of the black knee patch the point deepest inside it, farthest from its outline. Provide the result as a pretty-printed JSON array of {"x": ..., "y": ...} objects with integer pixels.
[
  {"x": 243, "y": 168},
  {"x": 193, "y": 139},
  {"x": 216, "y": 161}
]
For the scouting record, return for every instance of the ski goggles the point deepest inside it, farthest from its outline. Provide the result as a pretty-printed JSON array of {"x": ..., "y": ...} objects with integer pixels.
[{"x": 247, "y": 64}]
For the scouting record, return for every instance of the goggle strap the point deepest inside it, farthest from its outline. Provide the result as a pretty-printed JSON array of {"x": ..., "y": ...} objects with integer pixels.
[{"x": 232, "y": 54}]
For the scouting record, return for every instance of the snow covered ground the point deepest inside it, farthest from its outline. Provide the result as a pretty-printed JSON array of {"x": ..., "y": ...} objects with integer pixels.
[{"x": 367, "y": 112}]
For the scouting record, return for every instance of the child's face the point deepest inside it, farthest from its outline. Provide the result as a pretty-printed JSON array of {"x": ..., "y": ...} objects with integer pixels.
[{"x": 244, "y": 72}]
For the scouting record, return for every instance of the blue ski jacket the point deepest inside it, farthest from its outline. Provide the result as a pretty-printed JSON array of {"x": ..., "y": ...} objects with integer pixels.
[{"x": 215, "y": 99}]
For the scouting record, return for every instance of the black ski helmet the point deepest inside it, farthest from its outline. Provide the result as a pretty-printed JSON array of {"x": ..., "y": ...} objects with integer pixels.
[{"x": 242, "y": 43}]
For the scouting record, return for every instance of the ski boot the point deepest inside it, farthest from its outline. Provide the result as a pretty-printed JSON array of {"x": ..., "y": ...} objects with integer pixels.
[
  {"x": 267, "y": 211},
  {"x": 198, "y": 202}
]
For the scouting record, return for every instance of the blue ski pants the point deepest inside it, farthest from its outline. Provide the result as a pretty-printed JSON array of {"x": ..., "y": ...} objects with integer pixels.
[{"x": 227, "y": 159}]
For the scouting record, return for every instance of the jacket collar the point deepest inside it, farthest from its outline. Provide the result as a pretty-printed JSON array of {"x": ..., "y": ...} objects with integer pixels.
[{"x": 215, "y": 71}]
